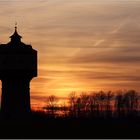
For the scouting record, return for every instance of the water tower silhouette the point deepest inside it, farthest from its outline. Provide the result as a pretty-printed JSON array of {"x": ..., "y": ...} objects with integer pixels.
[{"x": 18, "y": 65}]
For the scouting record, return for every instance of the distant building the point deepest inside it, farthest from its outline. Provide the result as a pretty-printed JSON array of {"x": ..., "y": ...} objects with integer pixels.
[{"x": 18, "y": 65}]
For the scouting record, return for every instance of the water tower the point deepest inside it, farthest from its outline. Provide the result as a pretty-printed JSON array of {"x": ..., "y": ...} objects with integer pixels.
[{"x": 18, "y": 65}]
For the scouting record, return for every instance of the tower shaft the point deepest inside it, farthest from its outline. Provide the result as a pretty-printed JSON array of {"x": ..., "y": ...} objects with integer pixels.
[{"x": 15, "y": 96}]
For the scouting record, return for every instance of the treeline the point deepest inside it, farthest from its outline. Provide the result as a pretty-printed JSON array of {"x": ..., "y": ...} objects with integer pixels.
[{"x": 98, "y": 104}]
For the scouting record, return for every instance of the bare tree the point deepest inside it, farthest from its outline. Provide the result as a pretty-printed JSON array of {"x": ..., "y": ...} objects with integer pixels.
[
  {"x": 92, "y": 104},
  {"x": 84, "y": 103},
  {"x": 131, "y": 102},
  {"x": 108, "y": 105},
  {"x": 52, "y": 104},
  {"x": 79, "y": 107},
  {"x": 72, "y": 102},
  {"x": 101, "y": 97},
  {"x": 119, "y": 104}
]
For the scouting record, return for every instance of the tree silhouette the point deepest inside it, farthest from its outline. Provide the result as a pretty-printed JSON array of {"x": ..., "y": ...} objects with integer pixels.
[
  {"x": 98, "y": 104},
  {"x": 93, "y": 105},
  {"x": 52, "y": 104},
  {"x": 131, "y": 102},
  {"x": 84, "y": 104},
  {"x": 101, "y": 102},
  {"x": 79, "y": 107},
  {"x": 72, "y": 102},
  {"x": 108, "y": 106},
  {"x": 119, "y": 104}
]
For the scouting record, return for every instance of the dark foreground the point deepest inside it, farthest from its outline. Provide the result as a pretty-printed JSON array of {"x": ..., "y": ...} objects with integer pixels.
[{"x": 39, "y": 126}]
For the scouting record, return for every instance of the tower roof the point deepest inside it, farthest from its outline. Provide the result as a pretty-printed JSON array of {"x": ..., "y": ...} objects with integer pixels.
[{"x": 15, "y": 36}]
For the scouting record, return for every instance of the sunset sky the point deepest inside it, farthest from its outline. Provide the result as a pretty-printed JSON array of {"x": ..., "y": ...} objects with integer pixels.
[{"x": 83, "y": 45}]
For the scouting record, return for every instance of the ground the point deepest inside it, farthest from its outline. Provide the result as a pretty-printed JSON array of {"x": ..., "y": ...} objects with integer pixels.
[{"x": 39, "y": 126}]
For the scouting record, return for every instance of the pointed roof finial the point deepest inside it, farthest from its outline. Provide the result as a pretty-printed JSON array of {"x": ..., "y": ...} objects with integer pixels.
[
  {"x": 15, "y": 36},
  {"x": 15, "y": 25}
]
